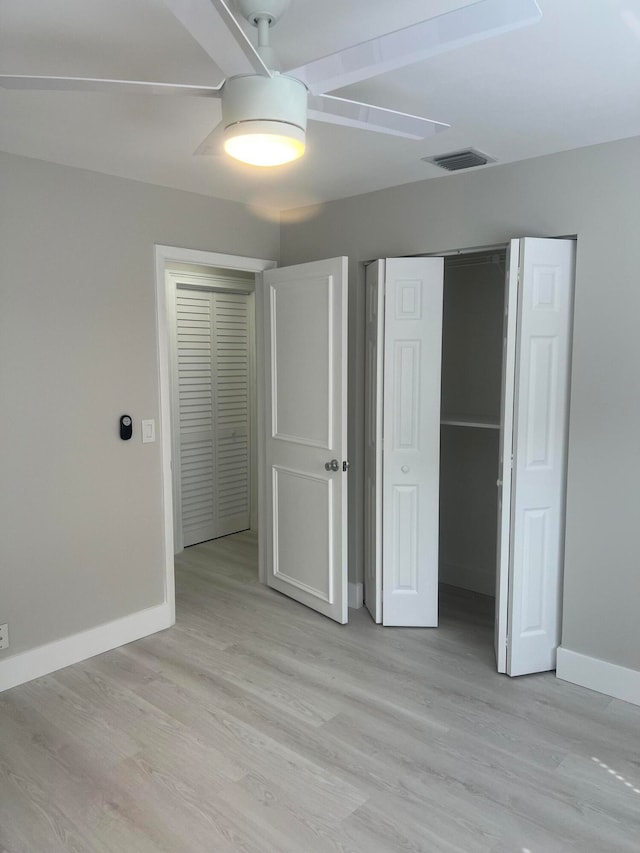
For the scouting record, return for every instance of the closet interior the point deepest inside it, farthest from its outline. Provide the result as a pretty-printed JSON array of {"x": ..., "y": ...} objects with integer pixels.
[{"x": 472, "y": 353}]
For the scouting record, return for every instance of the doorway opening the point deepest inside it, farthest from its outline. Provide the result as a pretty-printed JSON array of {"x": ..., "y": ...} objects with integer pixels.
[
  {"x": 301, "y": 422},
  {"x": 472, "y": 365},
  {"x": 210, "y": 407},
  {"x": 213, "y": 402}
]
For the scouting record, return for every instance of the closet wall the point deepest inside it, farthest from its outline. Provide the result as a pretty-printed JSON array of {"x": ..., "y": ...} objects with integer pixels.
[{"x": 473, "y": 314}]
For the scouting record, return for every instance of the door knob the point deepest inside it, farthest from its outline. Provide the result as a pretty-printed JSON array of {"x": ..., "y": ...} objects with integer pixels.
[
  {"x": 405, "y": 469},
  {"x": 334, "y": 465}
]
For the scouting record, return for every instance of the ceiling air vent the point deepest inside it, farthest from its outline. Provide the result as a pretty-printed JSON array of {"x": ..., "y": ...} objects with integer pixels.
[{"x": 458, "y": 160}]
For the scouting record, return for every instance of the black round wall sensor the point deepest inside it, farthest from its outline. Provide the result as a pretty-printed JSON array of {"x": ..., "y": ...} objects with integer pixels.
[{"x": 126, "y": 427}]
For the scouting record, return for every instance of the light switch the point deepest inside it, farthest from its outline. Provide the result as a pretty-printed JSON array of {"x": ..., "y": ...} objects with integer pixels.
[{"x": 148, "y": 431}]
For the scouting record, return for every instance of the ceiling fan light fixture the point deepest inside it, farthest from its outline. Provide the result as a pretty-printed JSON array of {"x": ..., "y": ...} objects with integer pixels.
[
  {"x": 264, "y": 119},
  {"x": 264, "y": 143}
]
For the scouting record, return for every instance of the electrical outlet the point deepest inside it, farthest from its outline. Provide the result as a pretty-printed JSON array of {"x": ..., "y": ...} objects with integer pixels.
[{"x": 4, "y": 637}]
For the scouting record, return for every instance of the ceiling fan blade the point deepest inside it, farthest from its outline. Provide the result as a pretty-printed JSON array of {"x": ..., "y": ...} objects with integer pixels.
[
  {"x": 334, "y": 110},
  {"x": 417, "y": 42},
  {"x": 88, "y": 84},
  {"x": 212, "y": 145},
  {"x": 216, "y": 30}
]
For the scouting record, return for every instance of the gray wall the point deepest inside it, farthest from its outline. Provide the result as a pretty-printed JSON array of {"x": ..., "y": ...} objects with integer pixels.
[
  {"x": 80, "y": 510},
  {"x": 472, "y": 327},
  {"x": 592, "y": 192}
]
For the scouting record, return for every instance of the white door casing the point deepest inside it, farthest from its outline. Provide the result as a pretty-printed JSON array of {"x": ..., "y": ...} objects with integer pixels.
[
  {"x": 411, "y": 440},
  {"x": 510, "y": 323},
  {"x": 304, "y": 339},
  {"x": 374, "y": 368},
  {"x": 546, "y": 273}
]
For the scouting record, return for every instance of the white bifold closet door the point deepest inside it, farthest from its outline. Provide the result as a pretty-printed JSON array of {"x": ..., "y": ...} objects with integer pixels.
[
  {"x": 373, "y": 401},
  {"x": 402, "y": 456},
  {"x": 402, "y": 415},
  {"x": 533, "y": 454},
  {"x": 213, "y": 386}
]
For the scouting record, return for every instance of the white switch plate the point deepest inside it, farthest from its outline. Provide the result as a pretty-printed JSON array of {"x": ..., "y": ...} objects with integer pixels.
[
  {"x": 148, "y": 431},
  {"x": 4, "y": 636}
]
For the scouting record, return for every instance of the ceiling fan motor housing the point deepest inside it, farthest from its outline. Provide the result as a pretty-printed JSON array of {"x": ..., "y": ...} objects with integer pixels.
[
  {"x": 270, "y": 10},
  {"x": 279, "y": 101}
]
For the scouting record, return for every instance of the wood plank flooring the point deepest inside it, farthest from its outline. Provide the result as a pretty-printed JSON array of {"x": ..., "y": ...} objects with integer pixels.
[{"x": 255, "y": 725}]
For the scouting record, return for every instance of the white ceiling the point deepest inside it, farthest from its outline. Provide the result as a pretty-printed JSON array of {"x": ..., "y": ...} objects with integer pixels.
[{"x": 571, "y": 80}]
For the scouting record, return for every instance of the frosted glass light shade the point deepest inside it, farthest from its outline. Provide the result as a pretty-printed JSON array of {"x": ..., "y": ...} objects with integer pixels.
[{"x": 264, "y": 143}]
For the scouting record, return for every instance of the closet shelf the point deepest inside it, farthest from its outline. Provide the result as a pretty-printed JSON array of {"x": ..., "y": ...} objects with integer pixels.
[{"x": 479, "y": 421}]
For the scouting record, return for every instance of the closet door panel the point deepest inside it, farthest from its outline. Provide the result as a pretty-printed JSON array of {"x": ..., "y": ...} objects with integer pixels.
[
  {"x": 411, "y": 430},
  {"x": 213, "y": 376},
  {"x": 195, "y": 369},
  {"x": 231, "y": 380},
  {"x": 373, "y": 439},
  {"x": 540, "y": 429},
  {"x": 506, "y": 450}
]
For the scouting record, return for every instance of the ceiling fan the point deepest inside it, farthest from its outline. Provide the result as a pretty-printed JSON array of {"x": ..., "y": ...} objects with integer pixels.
[{"x": 264, "y": 110}]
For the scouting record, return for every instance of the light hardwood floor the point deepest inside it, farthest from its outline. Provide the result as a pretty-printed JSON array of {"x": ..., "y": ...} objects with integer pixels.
[{"x": 257, "y": 725}]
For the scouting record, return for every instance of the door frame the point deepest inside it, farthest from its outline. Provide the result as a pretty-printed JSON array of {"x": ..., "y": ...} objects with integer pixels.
[{"x": 163, "y": 256}]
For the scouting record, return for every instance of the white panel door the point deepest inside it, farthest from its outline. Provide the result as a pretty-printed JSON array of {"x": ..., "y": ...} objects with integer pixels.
[
  {"x": 411, "y": 437},
  {"x": 374, "y": 366},
  {"x": 212, "y": 377},
  {"x": 510, "y": 323},
  {"x": 540, "y": 447},
  {"x": 305, "y": 356}
]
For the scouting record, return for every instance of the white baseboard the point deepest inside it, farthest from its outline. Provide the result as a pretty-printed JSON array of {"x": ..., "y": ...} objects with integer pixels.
[
  {"x": 356, "y": 595},
  {"x": 599, "y": 675},
  {"x": 25, "y": 666},
  {"x": 474, "y": 578}
]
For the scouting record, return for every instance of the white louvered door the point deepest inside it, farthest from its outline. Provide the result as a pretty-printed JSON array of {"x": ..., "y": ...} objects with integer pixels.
[
  {"x": 231, "y": 409},
  {"x": 195, "y": 366},
  {"x": 213, "y": 385}
]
